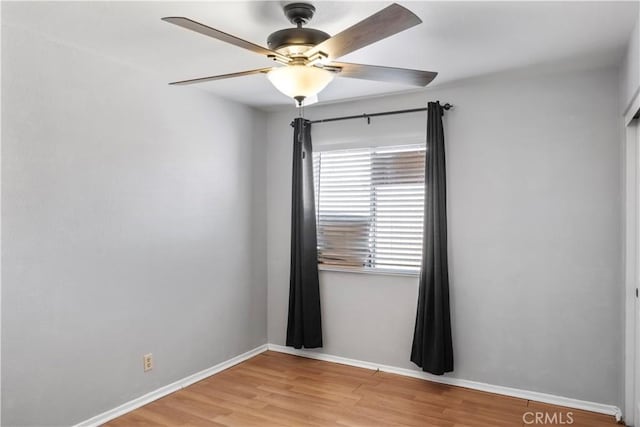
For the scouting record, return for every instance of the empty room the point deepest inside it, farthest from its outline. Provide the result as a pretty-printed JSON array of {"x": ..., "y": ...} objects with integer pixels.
[{"x": 320, "y": 213}]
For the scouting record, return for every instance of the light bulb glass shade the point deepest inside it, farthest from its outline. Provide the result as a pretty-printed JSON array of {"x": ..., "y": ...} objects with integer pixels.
[{"x": 299, "y": 80}]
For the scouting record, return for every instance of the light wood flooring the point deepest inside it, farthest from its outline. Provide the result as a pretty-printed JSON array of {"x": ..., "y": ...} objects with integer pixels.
[{"x": 275, "y": 389}]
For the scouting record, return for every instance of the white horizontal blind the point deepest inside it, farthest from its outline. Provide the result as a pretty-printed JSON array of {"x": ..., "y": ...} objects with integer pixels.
[{"x": 369, "y": 207}]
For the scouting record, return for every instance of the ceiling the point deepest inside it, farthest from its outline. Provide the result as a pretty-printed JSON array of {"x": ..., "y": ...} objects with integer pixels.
[{"x": 459, "y": 40}]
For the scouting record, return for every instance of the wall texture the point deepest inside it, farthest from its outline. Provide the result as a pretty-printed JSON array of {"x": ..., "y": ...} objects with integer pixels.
[
  {"x": 128, "y": 229},
  {"x": 534, "y": 227}
]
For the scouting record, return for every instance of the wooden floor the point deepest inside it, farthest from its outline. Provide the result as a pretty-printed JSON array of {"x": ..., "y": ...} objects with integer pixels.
[{"x": 275, "y": 389}]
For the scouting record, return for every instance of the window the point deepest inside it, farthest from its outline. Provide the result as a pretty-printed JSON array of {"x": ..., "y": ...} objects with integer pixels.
[{"x": 369, "y": 208}]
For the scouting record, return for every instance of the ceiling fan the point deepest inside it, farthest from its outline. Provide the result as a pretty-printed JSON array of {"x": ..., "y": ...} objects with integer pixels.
[{"x": 306, "y": 57}]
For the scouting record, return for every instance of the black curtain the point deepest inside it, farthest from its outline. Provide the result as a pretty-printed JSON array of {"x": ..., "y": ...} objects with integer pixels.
[
  {"x": 304, "y": 327},
  {"x": 432, "y": 349}
]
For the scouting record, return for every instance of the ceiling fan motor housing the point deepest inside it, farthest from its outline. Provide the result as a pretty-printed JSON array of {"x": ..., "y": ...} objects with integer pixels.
[
  {"x": 298, "y": 14},
  {"x": 296, "y": 37}
]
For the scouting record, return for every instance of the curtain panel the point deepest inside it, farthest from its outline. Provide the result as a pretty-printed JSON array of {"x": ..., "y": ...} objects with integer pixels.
[
  {"x": 304, "y": 328},
  {"x": 432, "y": 347}
]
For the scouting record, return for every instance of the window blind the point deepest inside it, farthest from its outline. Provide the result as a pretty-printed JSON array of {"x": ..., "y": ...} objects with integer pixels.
[{"x": 370, "y": 207}]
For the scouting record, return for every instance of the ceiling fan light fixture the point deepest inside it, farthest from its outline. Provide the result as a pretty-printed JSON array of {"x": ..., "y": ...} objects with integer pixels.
[
  {"x": 300, "y": 81},
  {"x": 307, "y": 56}
]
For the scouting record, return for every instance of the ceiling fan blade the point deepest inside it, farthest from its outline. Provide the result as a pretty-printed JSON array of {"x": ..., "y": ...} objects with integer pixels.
[
  {"x": 387, "y": 22},
  {"x": 383, "y": 74},
  {"x": 222, "y": 76},
  {"x": 225, "y": 37}
]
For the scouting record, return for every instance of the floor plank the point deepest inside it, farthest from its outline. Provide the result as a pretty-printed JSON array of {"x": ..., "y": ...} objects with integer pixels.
[{"x": 276, "y": 389}]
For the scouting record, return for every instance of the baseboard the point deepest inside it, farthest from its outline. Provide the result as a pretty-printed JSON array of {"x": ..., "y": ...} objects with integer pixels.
[
  {"x": 168, "y": 389},
  {"x": 506, "y": 391}
]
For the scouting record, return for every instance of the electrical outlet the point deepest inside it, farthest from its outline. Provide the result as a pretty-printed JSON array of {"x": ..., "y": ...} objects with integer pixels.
[{"x": 147, "y": 361}]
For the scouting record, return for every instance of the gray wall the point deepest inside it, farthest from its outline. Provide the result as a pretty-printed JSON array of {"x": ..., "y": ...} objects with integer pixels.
[
  {"x": 630, "y": 68},
  {"x": 128, "y": 229},
  {"x": 534, "y": 223}
]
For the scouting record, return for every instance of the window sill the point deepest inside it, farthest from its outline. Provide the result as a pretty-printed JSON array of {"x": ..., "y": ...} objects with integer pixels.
[{"x": 376, "y": 271}]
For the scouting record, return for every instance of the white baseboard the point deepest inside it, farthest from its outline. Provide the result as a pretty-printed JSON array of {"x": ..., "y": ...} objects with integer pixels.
[
  {"x": 507, "y": 391},
  {"x": 168, "y": 389}
]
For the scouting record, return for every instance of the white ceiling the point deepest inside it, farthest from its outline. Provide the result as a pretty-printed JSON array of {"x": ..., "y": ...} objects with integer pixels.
[{"x": 457, "y": 39}]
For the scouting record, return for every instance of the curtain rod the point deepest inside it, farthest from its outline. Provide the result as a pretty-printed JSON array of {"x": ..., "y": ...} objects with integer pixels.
[{"x": 446, "y": 106}]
